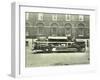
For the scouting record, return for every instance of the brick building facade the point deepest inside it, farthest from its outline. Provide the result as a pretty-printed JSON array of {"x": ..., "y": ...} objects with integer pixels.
[{"x": 57, "y": 24}]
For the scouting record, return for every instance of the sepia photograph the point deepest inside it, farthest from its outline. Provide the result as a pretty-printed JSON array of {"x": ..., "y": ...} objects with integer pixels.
[{"x": 56, "y": 39}]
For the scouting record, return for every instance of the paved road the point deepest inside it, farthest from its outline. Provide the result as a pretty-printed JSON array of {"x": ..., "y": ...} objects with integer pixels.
[{"x": 50, "y": 59}]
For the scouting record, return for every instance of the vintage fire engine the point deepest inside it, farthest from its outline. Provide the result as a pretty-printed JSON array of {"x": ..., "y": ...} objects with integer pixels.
[{"x": 57, "y": 44}]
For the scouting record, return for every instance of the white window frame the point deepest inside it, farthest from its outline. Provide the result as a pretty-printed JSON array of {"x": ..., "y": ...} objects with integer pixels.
[{"x": 27, "y": 16}]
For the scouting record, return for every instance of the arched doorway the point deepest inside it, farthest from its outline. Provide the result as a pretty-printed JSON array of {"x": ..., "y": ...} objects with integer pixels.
[
  {"x": 40, "y": 29},
  {"x": 68, "y": 29},
  {"x": 54, "y": 29},
  {"x": 80, "y": 30}
]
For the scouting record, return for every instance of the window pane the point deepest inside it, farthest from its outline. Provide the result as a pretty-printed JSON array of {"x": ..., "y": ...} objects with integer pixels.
[
  {"x": 81, "y": 18},
  {"x": 68, "y": 17},
  {"x": 54, "y": 17},
  {"x": 40, "y": 16}
]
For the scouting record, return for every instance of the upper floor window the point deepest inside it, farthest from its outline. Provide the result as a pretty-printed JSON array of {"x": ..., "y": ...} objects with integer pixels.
[
  {"x": 81, "y": 18},
  {"x": 40, "y": 16},
  {"x": 54, "y": 17},
  {"x": 27, "y": 16},
  {"x": 68, "y": 17}
]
